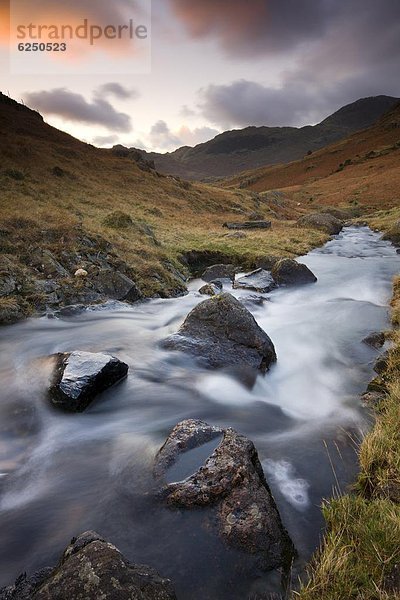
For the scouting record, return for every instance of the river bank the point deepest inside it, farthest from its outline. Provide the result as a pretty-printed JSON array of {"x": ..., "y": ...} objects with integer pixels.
[{"x": 360, "y": 554}]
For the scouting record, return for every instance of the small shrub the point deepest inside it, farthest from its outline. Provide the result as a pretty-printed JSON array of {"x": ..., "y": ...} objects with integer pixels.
[
  {"x": 118, "y": 220},
  {"x": 15, "y": 174},
  {"x": 58, "y": 172}
]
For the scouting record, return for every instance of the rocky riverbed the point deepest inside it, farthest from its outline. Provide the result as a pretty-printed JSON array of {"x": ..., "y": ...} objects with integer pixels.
[{"x": 211, "y": 478}]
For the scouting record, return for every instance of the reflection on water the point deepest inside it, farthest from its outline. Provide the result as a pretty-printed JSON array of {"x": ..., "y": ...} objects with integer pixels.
[{"x": 62, "y": 474}]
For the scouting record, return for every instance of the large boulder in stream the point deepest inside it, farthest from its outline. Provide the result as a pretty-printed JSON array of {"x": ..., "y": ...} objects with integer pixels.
[
  {"x": 80, "y": 376},
  {"x": 289, "y": 272},
  {"x": 258, "y": 281},
  {"x": 222, "y": 333},
  {"x": 89, "y": 569},
  {"x": 323, "y": 222},
  {"x": 204, "y": 466}
]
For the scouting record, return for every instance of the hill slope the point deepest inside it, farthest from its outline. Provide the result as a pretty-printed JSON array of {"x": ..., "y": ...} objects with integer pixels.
[
  {"x": 363, "y": 169},
  {"x": 238, "y": 150},
  {"x": 65, "y": 205}
]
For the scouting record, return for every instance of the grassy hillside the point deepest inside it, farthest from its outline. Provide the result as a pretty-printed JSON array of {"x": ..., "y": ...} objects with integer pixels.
[{"x": 61, "y": 195}]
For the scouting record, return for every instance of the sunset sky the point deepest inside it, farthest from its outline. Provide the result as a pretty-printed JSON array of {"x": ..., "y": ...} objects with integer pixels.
[{"x": 216, "y": 65}]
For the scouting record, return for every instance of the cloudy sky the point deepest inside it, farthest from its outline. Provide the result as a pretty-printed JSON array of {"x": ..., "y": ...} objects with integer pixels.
[{"x": 216, "y": 65}]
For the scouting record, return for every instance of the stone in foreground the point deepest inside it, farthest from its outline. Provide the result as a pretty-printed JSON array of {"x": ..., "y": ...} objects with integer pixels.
[
  {"x": 231, "y": 480},
  {"x": 80, "y": 376},
  {"x": 89, "y": 569},
  {"x": 222, "y": 333},
  {"x": 258, "y": 281},
  {"x": 289, "y": 272},
  {"x": 321, "y": 222}
]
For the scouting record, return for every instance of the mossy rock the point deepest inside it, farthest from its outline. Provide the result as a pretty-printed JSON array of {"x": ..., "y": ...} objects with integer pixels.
[{"x": 393, "y": 235}]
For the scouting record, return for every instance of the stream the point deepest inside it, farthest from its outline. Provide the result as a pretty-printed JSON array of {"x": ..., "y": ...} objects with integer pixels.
[{"x": 61, "y": 474}]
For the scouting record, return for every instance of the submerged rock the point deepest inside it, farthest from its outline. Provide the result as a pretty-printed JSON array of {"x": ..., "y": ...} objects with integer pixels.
[
  {"x": 289, "y": 272},
  {"x": 323, "y": 222},
  {"x": 219, "y": 272},
  {"x": 224, "y": 334},
  {"x": 80, "y": 376},
  {"x": 381, "y": 364},
  {"x": 258, "y": 281},
  {"x": 211, "y": 289},
  {"x": 232, "y": 481},
  {"x": 375, "y": 339},
  {"x": 89, "y": 569}
]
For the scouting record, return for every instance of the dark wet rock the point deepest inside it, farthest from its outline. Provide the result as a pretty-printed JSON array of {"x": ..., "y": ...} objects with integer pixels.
[
  {"x": 258, "y": 280},
  {"x": 249, "y": 225},
  {"x": 45, "y": 262},
  {"x": 25, "y": 587},
  {"x": 46, "y": 286},
  {"x": 219, "y": 272},
  {"x": 116, "y": 286},
  {"x": 377, "y": 385},
  {"x": 393, "y": 235},
  {"x": 222, "y": 333},
  {"x": 375, "y": 339},
  {"x": 289, "y": 272},
  {"x": 80, "y": 376},
  {"x": 8, "y": 284},
  {"x": 381, "y": 363},
  {"x": 231, "y": 480},
  {"x": 323, "y": 222},
  {"x": 70, "y": 311},
  {"x": 10, "y": 311},
  {"x": 267, "y": 262},
  {"x": 92, "y": 569},
  {"x": 198, "y": 260},
  {"x": 253, "y": 300},
  {"x": 211, "y": 289}
]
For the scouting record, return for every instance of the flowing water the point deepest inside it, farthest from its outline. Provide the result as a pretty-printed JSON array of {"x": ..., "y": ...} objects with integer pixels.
[{"x": 62, "y": 474}]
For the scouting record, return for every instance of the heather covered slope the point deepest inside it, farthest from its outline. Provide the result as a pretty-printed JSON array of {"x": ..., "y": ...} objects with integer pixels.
[
  {"x": 362, "y": 170},
  {"x": 234, "y": 151}
]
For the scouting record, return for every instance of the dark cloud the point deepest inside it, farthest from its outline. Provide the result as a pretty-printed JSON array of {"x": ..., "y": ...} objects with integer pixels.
[
  {"x": 254, "y": 26},
  {"x": 74, "y": 107},
  {"x": 117, "y": 90},
  {"x": 356, "y": 54},
  {"x": 243, "y": 103},
  {"x": 260, "y": 27}
]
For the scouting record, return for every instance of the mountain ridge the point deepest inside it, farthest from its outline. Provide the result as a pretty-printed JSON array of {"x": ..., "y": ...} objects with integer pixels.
[{"x": 238, "y": 150}]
